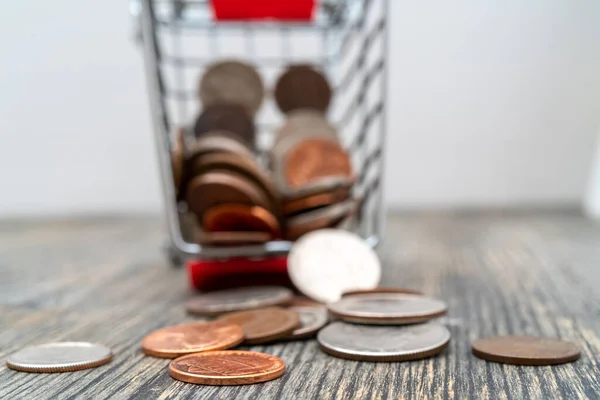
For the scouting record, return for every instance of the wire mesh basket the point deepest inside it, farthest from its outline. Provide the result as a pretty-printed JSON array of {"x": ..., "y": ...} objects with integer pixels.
[{"x": 345, "y": 39}]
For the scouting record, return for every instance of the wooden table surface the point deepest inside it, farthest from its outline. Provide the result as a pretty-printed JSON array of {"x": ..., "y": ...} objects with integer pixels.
[{"x": 106, "y": 281}]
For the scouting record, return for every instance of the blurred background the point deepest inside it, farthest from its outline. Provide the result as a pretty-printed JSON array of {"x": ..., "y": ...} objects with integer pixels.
[{"x": 491, "y": 104}]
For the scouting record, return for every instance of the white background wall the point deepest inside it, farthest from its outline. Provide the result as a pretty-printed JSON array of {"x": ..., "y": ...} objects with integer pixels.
[{"x": 492, "y": 103}]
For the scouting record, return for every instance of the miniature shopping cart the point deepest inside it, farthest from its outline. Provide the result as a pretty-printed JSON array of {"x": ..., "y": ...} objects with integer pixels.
[{"x": 346, "y": 39}]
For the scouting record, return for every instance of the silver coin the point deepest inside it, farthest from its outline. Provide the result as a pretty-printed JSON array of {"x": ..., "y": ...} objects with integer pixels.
[
  {"x": 320, "y": 218},
  {"x": 232, "y": 82},
  {"x": 305, "y": 123},
  {"x": 223, "y": 301},
  {"x": 383, "y": 343},
  {"x": 311, "y": 320},
  {"x": 387, "y": 308},
  {"x": 59, "y": 357}
]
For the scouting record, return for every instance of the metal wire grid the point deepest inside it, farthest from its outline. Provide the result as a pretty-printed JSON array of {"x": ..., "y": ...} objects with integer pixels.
[{"x": 347, "y": 39}]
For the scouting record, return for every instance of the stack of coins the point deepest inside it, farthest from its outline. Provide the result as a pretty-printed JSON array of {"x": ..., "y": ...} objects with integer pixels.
[
  {"x": 231, "y": 196},
  {"x": 311, "y": 169},
  {"x": 231, "y": 199}
]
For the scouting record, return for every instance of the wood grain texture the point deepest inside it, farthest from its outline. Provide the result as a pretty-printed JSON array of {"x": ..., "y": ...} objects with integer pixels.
[{"x": 106, "y": 281}]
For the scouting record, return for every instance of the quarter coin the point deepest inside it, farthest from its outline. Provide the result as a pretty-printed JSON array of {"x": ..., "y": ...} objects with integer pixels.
[
  {"x": 320, "y": 218},
  {"x": 324, "y": 264},
  {"x": 59, "y": 357},
  {"x": 301, "y": 86},
  {"x": 383, "y": 343},
  {"x": 264, "y": 324},
  {"x": 221, "y": 186},
  {"x": 226, "y": 117},
  {"x": 228, "y": 367},
  {"x": 232, "y": 82},
  {"x": 177, "y": 340},
  {"x": 387, "y": 308},
  {"x": 239, "y": 217},
  {"x": 219, "y": 302},
  {"x": 526, "y": 350},
  {"x": 311, "y": 320}
]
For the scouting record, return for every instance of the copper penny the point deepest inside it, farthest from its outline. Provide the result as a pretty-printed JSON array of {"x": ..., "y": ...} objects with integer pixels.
[
  {"x": 232, "y": 82},
  {"x": 382, "y": 289},
  {"x": 237, "y": 238},
  {"x": 177, "y": 340},
  {"x": 317, "y": 219},
  {"x": 264, "y": 324},
  {"x": 526, "y": 350},
  {"x": 227, "y": 367},
  {"x": 226, "y": 117},
  {"x": 240, "y": 217},
  {"x": 313, "y": 159},
  {"x": 301, "y": 86},
  {"x": 314, "y": 201},
  {"x": 220, "y": 186},
  {"x": 305, "y": 123},
  {"x": 247, "y": 298},
  {"x": 238, "y": 163}
]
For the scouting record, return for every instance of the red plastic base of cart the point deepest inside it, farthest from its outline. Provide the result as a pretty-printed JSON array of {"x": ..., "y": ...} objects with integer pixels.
[
  {"x": 209, "y": 275},
  {"x": 298, "y": 10}
]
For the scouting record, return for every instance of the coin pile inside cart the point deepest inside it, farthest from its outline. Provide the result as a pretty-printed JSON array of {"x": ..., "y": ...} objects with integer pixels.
[{"x": 232, "y": 196}]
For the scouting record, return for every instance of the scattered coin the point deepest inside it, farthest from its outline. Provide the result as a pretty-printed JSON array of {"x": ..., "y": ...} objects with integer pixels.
[
  {"x": 221, "y": 186},
  {"x": 315, "y": 201},
  {"x": 240, "y": 217},
  {"x": 382, "y": 289},
  {"x": 228, "y": 367},
  {"x": 387, "y": 308},
  {"x": 303, "y": 301},
  {"x": 177, "y": 340},
  {"x": 311, "y": 320},
  {"x": 215, "y": 303},
  {"x": 314, "y": 159},
  {"x": 226, "y": 117},
  {"x": 264, "y": 324},
  {"x": 526, "y": 350},
  {"x": 232, "y": 82},
  {"x": 383, "y": 343},
  {"x": 301, "y": 86},
  {"x": 59, "y": 357},
  {"x": 237, "y": 238},
  {"x": 324, "y": 217},
  {"x": 324, "y": 264}
]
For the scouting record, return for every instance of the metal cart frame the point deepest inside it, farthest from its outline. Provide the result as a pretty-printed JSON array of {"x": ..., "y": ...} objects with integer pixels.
[{"x": 353, "y": 51}]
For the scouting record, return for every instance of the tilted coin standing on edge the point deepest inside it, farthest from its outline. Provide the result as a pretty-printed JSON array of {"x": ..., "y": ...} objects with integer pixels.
[
  {"x": 383, "y": 343},
  {"x": 219, "y": 302},
  {"x": 526, "y": 350},
  {"x": 232, "y": 82},
  {"x": 59, "y": 357},
  {"x": 324, "y": 264},
  {"x": 177, "y": 340},
  {"x": 387, "y": 308},
  {"x": 228, "y": 367}
]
